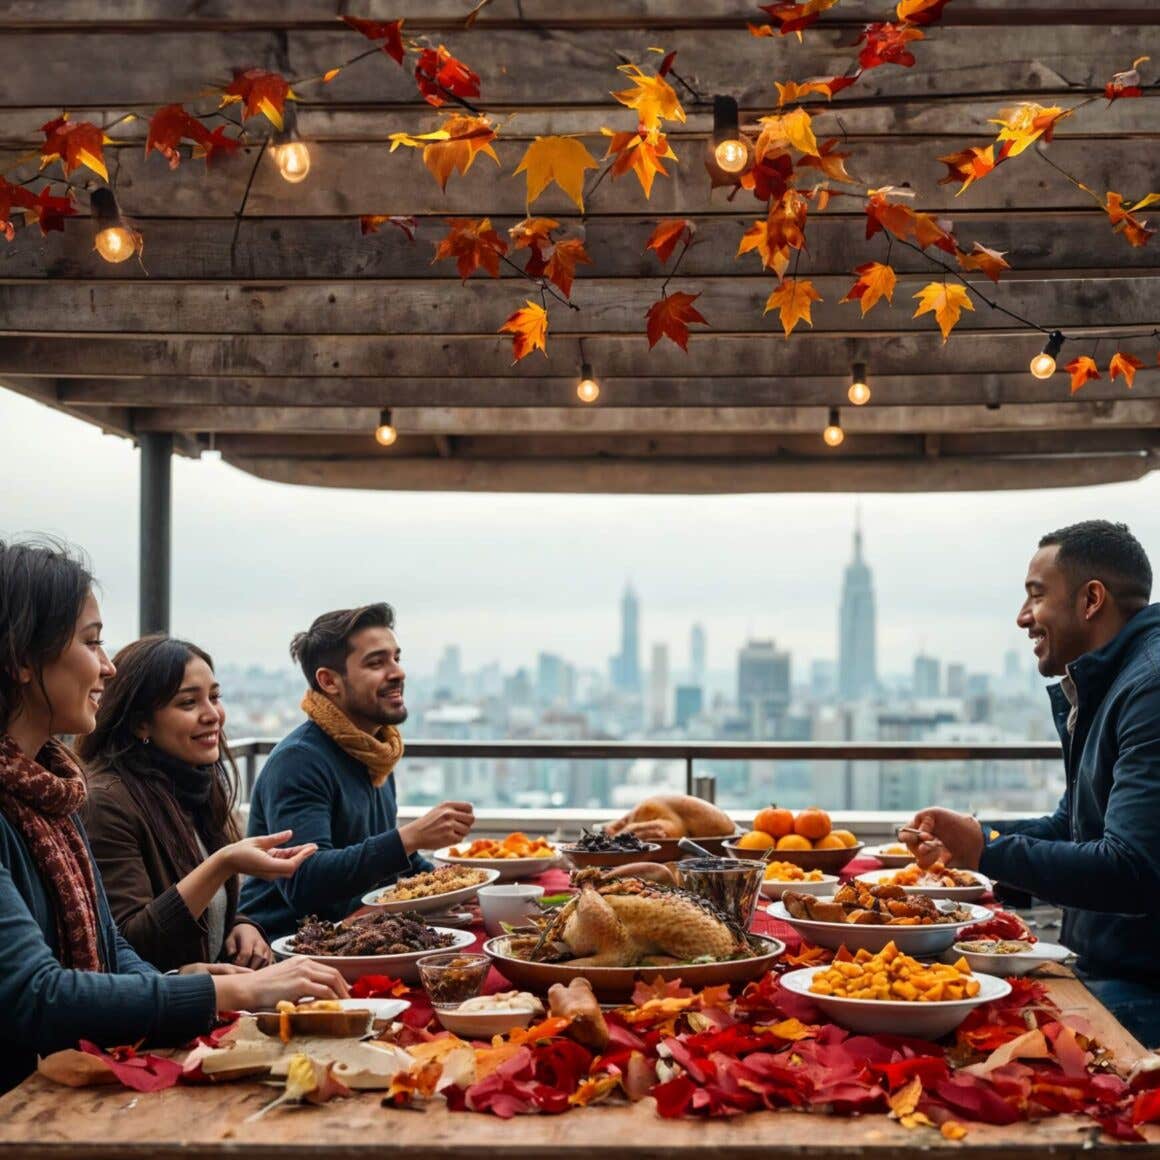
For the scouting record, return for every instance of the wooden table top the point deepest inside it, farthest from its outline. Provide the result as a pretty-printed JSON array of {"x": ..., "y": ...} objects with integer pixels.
[{"x": 42, "y": 1120}]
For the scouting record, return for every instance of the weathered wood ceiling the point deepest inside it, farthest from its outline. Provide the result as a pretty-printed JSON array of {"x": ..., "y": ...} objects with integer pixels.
[{"x": 280, "y": 347}]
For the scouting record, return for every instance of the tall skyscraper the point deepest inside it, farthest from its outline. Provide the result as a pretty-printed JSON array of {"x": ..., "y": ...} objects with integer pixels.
[
  {"x": 697, "y": 655},
  {"x": 763, "y": 684},
  {"x": 626, "y": 664},
  {"x": 857, "y": 628},
  {"x": 927, "y": 676},
  {"x": 658, "y": 685}
]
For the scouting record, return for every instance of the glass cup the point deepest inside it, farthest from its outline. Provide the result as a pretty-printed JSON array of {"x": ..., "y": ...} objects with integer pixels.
[
  {"x": 731, "y": 884},
  {"x": 451, "y": 979}
]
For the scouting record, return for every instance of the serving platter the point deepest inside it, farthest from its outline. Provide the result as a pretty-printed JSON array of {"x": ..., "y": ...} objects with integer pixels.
[
  {"x": 585, "y": 859},
  {"x": 895, "y": 1017},
  {"x": 353, "y": 967},
  {"x": 509, "y": 869},
  {"x": 615, "y": 984},
  {"x": 1011, "y": 965},
  {"x": 954, "y": 893},
  {"x": 382, "y": 898},
  {"x": 894, "y": 861},
  {"x": 775, "y": 887},
  {"x": 912, "y": 940}
]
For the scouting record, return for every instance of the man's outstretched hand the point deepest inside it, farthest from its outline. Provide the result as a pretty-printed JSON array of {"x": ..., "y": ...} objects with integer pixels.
[{"x": 938, "y": 835}]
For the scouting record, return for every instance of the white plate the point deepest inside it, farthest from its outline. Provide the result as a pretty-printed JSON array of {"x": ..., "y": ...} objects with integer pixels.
[
  {"x": 382, "y": 1010},
  {"x": 483, "y": 1024},
  {"x": 774, "y": 888},
  {"x": 879, "y": 852},
  {"x": 911, "y": 940},
  {"x": 957, "y": 893},
  {"x": 381, "y": 899},
  {"x": 895, "y": 1017},
  {"x": 510, "y": 869},
  {"x": 352, "y": 967},
  {"x": 1011, "y": 965}
]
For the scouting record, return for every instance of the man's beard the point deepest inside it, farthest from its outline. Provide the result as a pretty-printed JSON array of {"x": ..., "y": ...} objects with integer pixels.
[{"x": 376, "y": 710}]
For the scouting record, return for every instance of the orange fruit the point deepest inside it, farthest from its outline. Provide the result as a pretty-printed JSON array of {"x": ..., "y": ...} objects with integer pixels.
[
  {"x": 793, "y": 842},
  {"x": 848, "y": 838},
  {"x": 812, "y": 823},
  {"x": 755, "y": 840},
  {"x": 773, "y": 821},
  {"x": 830, "y": 842}
]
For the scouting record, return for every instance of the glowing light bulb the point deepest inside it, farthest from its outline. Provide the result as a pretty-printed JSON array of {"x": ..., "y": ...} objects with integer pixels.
[
  {"x": 1043, "y": 366},
  {"x": 293, "y": 160},
  {"x": 731, "y": 154},
  {"x": 116, "y": 243},
  {"x": 858, "y": 394},
  {"x": 385, "y": 433},
  {"x": 833, "y": 434},
  {"x": 587, "y": 389}
]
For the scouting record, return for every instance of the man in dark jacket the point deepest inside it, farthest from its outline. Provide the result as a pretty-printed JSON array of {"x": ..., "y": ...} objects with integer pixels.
[
  {"x": 332, "y": 781},
  {"x": 1098, "y": 855}
]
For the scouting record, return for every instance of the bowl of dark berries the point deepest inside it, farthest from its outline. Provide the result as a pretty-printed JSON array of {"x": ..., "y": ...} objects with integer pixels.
[{"x": 596, "y": 848}]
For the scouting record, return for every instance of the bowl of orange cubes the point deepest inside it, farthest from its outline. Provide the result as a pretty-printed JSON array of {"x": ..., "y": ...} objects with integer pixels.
[
  {"x": 516, "y": 856},
  {"x": 889, "y": 992},
  {"x": 782, "y": 876},
  {"x": 806, "y": 839}
]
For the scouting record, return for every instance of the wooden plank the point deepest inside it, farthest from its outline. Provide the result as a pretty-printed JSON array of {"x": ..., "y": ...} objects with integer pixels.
[
  {"x": 607, "y": 306},
  {"x": 286, "y": 249},
  {"x": 1063, "y": 416}
]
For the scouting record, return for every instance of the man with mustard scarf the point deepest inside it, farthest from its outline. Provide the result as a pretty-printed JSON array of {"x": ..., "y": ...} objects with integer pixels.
[{"x": 330, "y": 780}]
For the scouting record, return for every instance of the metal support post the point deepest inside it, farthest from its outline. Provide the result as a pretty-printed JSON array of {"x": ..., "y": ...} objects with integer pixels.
[{"x": 156, "y": 520}]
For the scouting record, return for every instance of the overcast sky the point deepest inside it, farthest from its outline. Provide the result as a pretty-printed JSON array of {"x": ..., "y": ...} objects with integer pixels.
[{"x": 506, "y": 576}]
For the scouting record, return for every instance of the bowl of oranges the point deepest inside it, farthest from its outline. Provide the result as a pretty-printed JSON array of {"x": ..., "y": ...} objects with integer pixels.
[{"x": 806, "y": 839}]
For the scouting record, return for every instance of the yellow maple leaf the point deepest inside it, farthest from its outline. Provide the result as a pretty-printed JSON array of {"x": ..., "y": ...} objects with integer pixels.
[
  {"x": 780, "y": 128},
  {"x": 640, "y": 153},
  {"x": 652, "y": 97},
  {"x": 904, "y": 1101},
  {"x": 875, "y": 281},
  {"x": 454, "y": 147},
  {"x": 559, "y": 159},
  {"x": 529, "y": 328},
  {"x": 1025, "y": 124},
  {"x": 793, "y": 298},
  {"x": 947, "y": 301}
]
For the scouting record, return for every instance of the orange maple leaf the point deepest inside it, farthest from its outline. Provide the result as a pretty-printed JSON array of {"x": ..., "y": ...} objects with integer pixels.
[
  {"x": 369, "y": 223},
  {"x": 558, "y": 263},
  {"x": 919, "y": 11},
  {"x": 793, "y": 91},
  {"x": 990, "y": 262},
  {"x": 904, "y": 223},
  {"x": 75, "y": 143},
  {"x": 472, "y": 243},
  {"x": 1081, "y": 370},
  {"x": 593, "y": 1090},
  {"x": 641, "y": 153},
  {"x": 667, "y": 235},
  {"x": 1126, "y": 365},
  {"x": 947, "y": 301},
  {"x": 1123, "y": 219},
  {"x": 829, "y": 161},
  {"x": 653, "y": 98},
  {"x": 968, "y": 165},
  {"x": 533, "y": 233},
  {"x": 559, "y": 159},
  {"x": 875, "y": 281},
  {"x": 782, "y": 230},
  {"x": 438, "y": 74},
  {"x": 885, "y": 43},
  {"x": 390, "y": 32},
  {"x": 260, "y": 92},
  {"x": 791, "y": 17},
  {"x": 1024, "y": 125},
  {"x": 671, "y": 316},
  {"x": 171, "y": 124},
  {"x": 529, "y": 328},
  {"x": 793, "y": 298},
  {"x": 455, "y": 146}
]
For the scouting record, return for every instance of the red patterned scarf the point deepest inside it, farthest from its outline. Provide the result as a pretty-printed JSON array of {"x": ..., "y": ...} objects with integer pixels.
[{"x": 39, "y": 798}]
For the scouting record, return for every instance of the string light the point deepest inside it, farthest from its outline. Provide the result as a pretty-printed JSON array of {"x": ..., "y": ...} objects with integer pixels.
[
  {"x": 288, "y": 149},
  {"x": 385, "y": 433},
  {"x": 114, "y": 240},
  {"x": 1043, "y": 364},
  {"x": 859, "y": 392},
  {"x": 730, "y": 149},
  {"x": 833, "y": 434},
  {"x": 587, "y": 389}
]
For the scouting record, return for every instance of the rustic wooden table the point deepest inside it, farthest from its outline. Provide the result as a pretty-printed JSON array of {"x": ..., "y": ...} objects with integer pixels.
[{"x": 41, "y": 1120}]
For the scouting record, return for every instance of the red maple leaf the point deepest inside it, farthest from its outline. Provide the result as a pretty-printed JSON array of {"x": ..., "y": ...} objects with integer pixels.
[
  {"x": 667, "y": 235},
  {"x": 886, "y": 44},
  {"x": 12, "y": 197},
  {"x": 472, "y": 243},
  {"x": 48, "y": 211},
  {"x": 260, "y": 92},
  {"x": 670, "y": 317},
  {"x": 439, "y": 74},
  {"x": 388, "y": 31},
  {"x": 171, "y": 124},
  {"x": 75, "y": 143}
]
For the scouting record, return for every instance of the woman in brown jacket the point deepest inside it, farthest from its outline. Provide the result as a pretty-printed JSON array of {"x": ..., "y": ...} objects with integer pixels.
[{"x": 159, "y": 812}]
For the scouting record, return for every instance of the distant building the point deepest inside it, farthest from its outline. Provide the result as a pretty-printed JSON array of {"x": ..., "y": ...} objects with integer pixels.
[
  {"x": 697, "y": 655},
  {"x": 857, "y": 628},
  {"x": 658, "y": 685},
  {"x": 690, "y": 701},
  {"x": 927, "y": 677},
  {"x": 449, "y": 671},
  {"x": 626, "y": 664},
  {"x": 555, "y": 680},
  {"x": 823, "y": 679},
  {"x": 956, "y": 680},
  {"x": 763, "y": 684}
]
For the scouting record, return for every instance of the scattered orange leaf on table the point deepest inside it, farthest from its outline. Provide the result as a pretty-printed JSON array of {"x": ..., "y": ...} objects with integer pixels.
[
  {"x": 667, "y": 235},
  {"x": 472, "y": 243},
  {"x": 947, "y": 301},
  {"x": 75, "y": 143},
  {"x": 875, "y": 281},
  {"x": 653, "y": 98},
  {"x": 1081, "y": 370},
  {"x": 671, "y": 316},
  {"x": 793, "y": 299},
  {"x": 1126, "y": 365},
  {"x": 529, "y": 329},
  {"x": 989, "y": 262},
  {"x": 904, "y": 1101},
  {"x": 439, "y": 75},
  {"x": 260, "y": 92},
  {"x": 559, "y": 159},
  {"x": 390, "y": 32}
]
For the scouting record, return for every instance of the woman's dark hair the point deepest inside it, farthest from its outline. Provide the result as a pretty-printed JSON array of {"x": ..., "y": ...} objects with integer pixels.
[
  {"x": 150, "y": 672},
  {"x": 43, "y": 587},
  {"x": 326, "y": 643}
]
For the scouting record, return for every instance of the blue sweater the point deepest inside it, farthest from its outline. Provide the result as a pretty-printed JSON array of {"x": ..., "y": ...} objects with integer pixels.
[
  {"x": 1098, "y": 855},
  {"x": 312, "y": 786},
  {"x": 44, "y": 1007}
]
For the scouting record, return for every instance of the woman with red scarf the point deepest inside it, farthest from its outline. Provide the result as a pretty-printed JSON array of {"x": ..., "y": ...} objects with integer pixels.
[{"x": 65, "y": 971}]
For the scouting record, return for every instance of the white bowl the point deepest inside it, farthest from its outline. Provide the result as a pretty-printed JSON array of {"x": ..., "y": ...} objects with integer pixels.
[
  {"x": 1008, "y": 966},
  {"x": 511, "y": 904},
  {"x": 893, "y": 860},
  {"x": 911, "y": 940},
  {"x": 895, "y": 1017},
  {"x": 381, "y": 899},
  {"x": 352, "y": 967},
  {"x": 774, "y": 888},
  {"x": 510, "y": 869},
  {"x": 957, "y": 893},
  {"x": 483, "y": 1024}
]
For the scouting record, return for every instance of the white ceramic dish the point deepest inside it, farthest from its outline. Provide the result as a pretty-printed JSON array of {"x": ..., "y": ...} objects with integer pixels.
[
  {"x": 773, "y": 888},
  {"x": 895, "y": 861},
  {"x": 911, "y": 940},
  {"x": 510, "y": 869},
  {"x": 382, "y": 899},
  {"x": 352, "y": 967},
  {"x": 890, "y": 1017},
  {"x": 1011, "y": 965},
  {"x": 382, "y": 1010},
  {"x": 483, "y": 1024},
  {"x": 956, "y": 893}
]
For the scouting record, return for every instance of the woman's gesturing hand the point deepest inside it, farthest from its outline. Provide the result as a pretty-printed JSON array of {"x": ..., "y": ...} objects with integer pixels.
[
  {"x": 293, "y": 979},
  {"x": 264, "y": 856},
  {"x": 245, "y": 946}
]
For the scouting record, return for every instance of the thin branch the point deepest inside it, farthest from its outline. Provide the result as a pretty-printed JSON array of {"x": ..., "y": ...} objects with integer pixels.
[
  {"x": 677, "y": 263},
  {"x": 1064, "y": 173},
  {"x": 245, "y": 197},
  {"x": 542, "y": 283}
]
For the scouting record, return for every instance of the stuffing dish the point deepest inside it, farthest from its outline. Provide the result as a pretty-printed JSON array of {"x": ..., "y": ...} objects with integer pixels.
[
  {"x": 371, "y": 934},
  {"x": 431, "y": 883}
]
